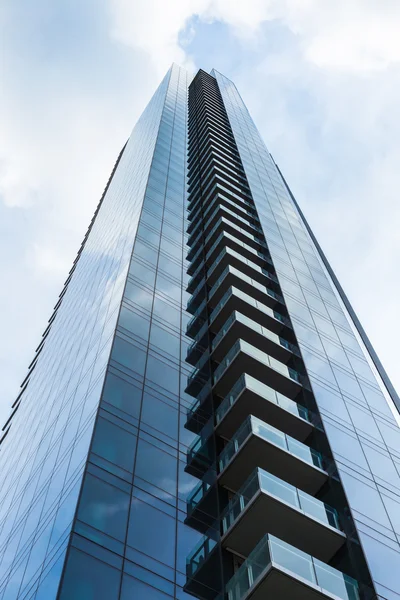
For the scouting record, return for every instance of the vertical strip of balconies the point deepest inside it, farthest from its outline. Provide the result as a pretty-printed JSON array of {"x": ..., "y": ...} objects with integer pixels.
[{"x": 267, "y": 488}]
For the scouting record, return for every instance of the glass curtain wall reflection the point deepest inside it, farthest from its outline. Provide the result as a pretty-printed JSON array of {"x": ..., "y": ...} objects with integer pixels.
[{"x": 201, "y": 418}]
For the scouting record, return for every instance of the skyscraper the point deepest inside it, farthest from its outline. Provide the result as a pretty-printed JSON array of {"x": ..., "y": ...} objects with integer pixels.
[{"x": 204, "y": 416}]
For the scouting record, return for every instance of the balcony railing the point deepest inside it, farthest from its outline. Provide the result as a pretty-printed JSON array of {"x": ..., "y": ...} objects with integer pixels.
[
  {"x": 264, "y": 391},
  {"x": 262, "y": 357},
  {"x": 223, "y": 220},
  {"x": 199, "y": 554},
  {"x": 272, "y": 553},
  {"x": 262, "y": 481},
  {"x": 254, "y": 326},
  {"x": 233, "y": 291},
  {"x": 242, "y": 259},
  {"x": 249, "y": 299},
  {"x": 274, "y": 436}
]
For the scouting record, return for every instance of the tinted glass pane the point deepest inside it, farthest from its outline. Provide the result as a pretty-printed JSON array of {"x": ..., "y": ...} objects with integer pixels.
[
  {"x": 133, "y": 322},
  {"x": 114, "y": 444},
  {"x": 156, "y": 466},
  {"x": 86, "y": 578},
  {"x": 160, "y": 415},
  {"x": 122, "y": 394},
  {"x": 163, "y": 374},
  {"x": 152, "y": 532},
  {"x": 129, "y": 355},
  {"x": 104, "y": 507},
  {"x": 133, "y": 588}
]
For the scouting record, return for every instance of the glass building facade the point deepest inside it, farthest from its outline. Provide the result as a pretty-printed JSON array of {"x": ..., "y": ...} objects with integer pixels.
[{"x": 204, "y": 416}]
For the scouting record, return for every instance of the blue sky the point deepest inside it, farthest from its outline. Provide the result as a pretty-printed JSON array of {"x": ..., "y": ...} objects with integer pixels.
[{"x": 321, "y": 80}]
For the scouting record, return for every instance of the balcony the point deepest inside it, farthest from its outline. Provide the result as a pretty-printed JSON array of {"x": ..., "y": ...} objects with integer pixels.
[
  {"x": 228, "y": 256},
  {"x": 238, "y": 326},
  {"x": 227, "y": 226},
  {"x": 251, "y": 397},
  {"x": 226, "y": 239},
  {"x": 200, "y": 411},
  {"x": 235, "y": 299},
  {"x": 200, "y": 454},
  {"x": 199, "y": 376},
  {"x": 267, "y": 503},
  {"x": 232, "y": 216},
  {"x": 202, "y": 505},
  {"x": 245, "y": 358},
  {"x": 276, "y": 569},
  {"x": 256, "y": 444},
  {"x": 198, "y": 320},
  {"x": 203, "y": 575}
]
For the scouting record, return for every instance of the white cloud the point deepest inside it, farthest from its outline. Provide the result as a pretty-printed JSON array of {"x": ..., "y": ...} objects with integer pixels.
[{"x": 66, "y": 109}]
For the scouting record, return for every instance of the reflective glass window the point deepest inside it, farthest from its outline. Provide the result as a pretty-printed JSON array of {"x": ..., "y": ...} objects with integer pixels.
[
  {"x": 104, "y": 507},
  {"x": 152, "y": 532},
  {"x": 87, "y": 578}
]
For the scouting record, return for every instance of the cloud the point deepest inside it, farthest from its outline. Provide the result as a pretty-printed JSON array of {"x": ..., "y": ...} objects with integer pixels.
[{"x": 76, "y": 77}]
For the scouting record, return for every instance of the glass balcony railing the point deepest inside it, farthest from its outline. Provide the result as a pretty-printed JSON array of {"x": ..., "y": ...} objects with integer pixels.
[
  {"x": 262, "y": 357},
  {"x": 223, "y": 220},
  {"x": 255, "y": 426},
  {"x": 199, "y": 449},
  {"x": 196, "y": 274},
  {"x": 231, "y": 213},
  {"x": 247, "y": 247},
  {"x": 196, "y": 298},
  {"x": 249, "y": 263},
  {"x": 201, "y": 363},
  {"x": 235, "y": 205},
  {"x": 273, "y": 551},
  {"x": 262, "y": 481},
  {"x": 196, "y": 340},
  {"x": 199, "y": 554},
  {"x": 197, "y": 495},
  {"x": 264, "y": 391},
  {"x": 201, "y": 396},
  {"x": 249, "y": 299},
  {"x": 254, "y": 326},
  {"x": 224, "y": 236},
  {"x": 196, "y": 314}
]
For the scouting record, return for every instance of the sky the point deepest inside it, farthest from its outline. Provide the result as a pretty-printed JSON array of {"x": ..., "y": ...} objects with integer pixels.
[{"x": 321, "y": 81}]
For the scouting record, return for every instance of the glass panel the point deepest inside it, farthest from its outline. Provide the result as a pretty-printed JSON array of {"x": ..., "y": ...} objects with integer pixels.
[
  {"x": 104, "y": 507},
  {"x": 276, "y": 437},
  {"x": 335, "y": 582},
  {"x": 281, "y": 489},
  {"x": 88, "y": 578},
  {"x": 293, "y": 559}
]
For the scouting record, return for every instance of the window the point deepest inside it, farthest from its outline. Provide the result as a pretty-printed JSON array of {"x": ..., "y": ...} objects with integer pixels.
[
  {"x": 152, "y": 532},
  {"x": 104, "y": 507},
  {"x": 122, "y": 394},
  {"x": 115, "y": 444},
  {"x": 87, "y": 578}
]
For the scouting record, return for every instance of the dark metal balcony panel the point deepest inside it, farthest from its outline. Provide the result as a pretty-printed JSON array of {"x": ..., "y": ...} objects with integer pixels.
[
  {"x": 267, "y": 513},
  {"x": 239, "y": 330},
  {"x": 259, "y": 452},
  {"x": 249, "y": 402}
]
